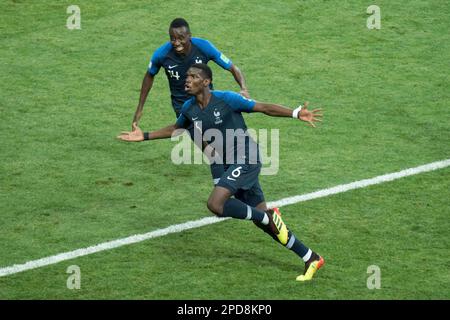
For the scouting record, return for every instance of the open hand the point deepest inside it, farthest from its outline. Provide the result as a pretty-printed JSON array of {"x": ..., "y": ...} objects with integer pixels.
[
  {"x": 134, "y": 136},
  {"x": 310, "y": 116}
]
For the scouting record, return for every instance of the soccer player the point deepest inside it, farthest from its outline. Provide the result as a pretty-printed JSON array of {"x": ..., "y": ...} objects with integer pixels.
[
  {"x": 176, "y": 56},
  {"x": 222, "y": 111}
]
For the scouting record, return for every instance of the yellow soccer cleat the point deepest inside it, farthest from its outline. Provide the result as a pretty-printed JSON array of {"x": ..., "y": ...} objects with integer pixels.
[
  {"x": 311, "y": 270},
  {"x": 277, "y": 225}
]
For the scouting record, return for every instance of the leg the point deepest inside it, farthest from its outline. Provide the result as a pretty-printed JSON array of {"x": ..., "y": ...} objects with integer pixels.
[
  {"x": 262, "y": 206},
  {"x": 235, "y": 178},
  {"x": 221, "y": 204},
  {"x": 217, "y": 200},
  {"x": 242, "y": 181},
  {"x": 254, "y": 197},
  {"x": 312, "y": 260}
]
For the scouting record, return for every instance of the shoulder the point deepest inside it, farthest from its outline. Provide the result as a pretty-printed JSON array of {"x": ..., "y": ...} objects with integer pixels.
[
  {"x": 229, "y": 97},
  {"x": 187, "y": 104},
  {"x": 205, "y": 45},
  {"x": 163, "y": 50},
  {"x": 201, "y": 42},
  {"x": 225, "y": 95},
  {"x": 235, "y": 100}
]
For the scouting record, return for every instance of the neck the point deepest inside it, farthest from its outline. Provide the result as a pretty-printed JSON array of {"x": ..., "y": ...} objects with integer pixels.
[
  {"x": 189, "y": 49},
  {"x": 203, "y": 98}
]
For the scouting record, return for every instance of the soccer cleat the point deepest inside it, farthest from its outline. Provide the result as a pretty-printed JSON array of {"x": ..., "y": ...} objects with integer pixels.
[
  {"x": 277, "y": 225},
  {"x": 277, "y": 211},
  {"x": 311, "y": 268}
]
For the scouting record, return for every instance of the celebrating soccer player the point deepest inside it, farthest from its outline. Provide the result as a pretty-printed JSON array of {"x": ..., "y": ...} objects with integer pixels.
[
  {"x": 176, "y": 56},
  {"x": 221, "y": 111}
]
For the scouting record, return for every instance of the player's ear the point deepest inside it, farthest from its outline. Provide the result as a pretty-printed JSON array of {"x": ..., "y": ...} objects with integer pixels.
[{"x": 206, "y": 82}]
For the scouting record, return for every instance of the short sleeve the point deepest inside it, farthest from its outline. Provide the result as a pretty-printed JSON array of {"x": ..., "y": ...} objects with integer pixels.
[
  {"x": 237, "y": 102},
  {"x": 213, "y": 53},
  {"x": 182, "y": 120},
  {"x": 157, "y": 58}
]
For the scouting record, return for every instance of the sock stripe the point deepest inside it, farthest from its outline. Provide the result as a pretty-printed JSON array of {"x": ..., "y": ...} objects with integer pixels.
[
  {"x": 290, "y": 242},
  {"x": 249, "y": 213},
  {"x": 307, "y": 255}
]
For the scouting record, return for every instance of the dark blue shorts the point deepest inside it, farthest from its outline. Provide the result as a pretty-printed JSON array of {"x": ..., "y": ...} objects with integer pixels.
[{"x": 242, "y": 181}]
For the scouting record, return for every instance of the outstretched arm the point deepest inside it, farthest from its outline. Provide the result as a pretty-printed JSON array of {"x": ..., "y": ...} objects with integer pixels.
[
  {"x": 303, "y": 113},
  {"x": 138, "y": 135},
  {"x": 239, "y": 77},
  {"x": 147, "y": 84}
]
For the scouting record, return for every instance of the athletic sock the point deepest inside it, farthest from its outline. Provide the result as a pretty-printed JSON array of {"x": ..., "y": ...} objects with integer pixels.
[
  {"x": 237, "y": 209},
  {"x": 298, "y": 247},
  {"x": 293, "y": 243}
]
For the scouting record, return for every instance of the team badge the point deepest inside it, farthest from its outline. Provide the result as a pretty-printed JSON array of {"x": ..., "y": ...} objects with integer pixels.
[{"x": 217, "y": 115}]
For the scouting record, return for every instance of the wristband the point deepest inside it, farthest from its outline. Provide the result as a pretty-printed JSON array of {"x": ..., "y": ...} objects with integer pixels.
[
  {"x": 146, "y": 135},
  {"x": 296, "y": 112}
]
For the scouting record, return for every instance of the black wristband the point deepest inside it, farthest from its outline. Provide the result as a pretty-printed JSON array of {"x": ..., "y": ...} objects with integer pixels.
[{"x": 146, "y": 135}]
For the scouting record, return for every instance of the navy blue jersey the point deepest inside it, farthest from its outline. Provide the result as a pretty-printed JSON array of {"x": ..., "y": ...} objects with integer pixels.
[
  {"x": 176, "y": 66},
  {"x": 222, "y": 126}
]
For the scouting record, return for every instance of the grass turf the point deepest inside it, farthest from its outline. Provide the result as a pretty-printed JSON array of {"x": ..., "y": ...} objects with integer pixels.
[{"x": 66, "y": 183}]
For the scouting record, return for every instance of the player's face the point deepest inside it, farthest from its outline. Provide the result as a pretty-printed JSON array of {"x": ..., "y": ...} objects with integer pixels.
[
  {"x": 180, "y": 39},
  {"x": 195, "y": 83}
]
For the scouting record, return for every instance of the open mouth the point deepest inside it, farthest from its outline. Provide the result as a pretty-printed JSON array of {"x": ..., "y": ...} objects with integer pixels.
[{"x": 179, "y": 49}]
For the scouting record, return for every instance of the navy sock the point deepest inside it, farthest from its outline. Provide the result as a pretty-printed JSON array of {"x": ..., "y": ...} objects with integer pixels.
[
  {"x": 293, "y": 243},
  {"x": 237, "y": 209},
  {"x": 298, "y": 247}
]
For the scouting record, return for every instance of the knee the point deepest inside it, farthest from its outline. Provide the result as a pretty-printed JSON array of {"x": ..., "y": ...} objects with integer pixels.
[{"x": 215, "y": 207}]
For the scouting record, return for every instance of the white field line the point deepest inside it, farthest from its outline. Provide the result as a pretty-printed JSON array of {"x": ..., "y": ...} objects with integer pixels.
[{"x": 210, "y": 220}]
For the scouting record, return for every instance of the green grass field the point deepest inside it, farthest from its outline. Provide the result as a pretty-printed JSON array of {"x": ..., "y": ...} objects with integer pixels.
[{"x": 67, "y": 183}]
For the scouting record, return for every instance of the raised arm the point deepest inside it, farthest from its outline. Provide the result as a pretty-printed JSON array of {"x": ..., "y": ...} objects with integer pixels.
[
  {"x": 218, "y": 57},
  {"x": 239, "y": 77},
  {"x": 301, "y": 113},
  {"x": 147, "y": 84}
]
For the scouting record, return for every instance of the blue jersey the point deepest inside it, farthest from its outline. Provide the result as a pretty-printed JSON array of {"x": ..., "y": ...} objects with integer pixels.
[
  {"x": 222, "y": 126},
  {"x": 176, "y": 66}
]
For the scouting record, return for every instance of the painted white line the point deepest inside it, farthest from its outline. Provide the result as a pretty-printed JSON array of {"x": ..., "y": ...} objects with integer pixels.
[
  {"x": 107, "y": 245},
  {"x": 361, "y": 184},
  {"x": 210, "y": 220}
]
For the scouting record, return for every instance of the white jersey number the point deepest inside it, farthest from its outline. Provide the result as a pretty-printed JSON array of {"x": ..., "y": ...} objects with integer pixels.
[
  {"x": 235, "y": 173},
  {"x": 174, "y": 74}
]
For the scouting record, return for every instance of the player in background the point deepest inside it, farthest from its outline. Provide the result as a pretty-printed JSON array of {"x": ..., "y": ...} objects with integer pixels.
[
  {"x": 222, "y": 111},
  {"x": 176, "y": 56}
]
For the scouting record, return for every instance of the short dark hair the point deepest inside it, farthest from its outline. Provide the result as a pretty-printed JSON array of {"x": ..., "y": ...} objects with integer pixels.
[
  {"x": 206, "y": 71},
  {"x": 178, "y": 23}
]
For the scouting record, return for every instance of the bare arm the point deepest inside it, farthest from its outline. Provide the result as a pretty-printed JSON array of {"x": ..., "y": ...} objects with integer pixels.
[
  {"x": 276, "y": 110},
  {"x": 163, "y": 133},
  {"x": 239, "y": 77},
  {"x": 147, "y": 84},
  {"x": 138, "y": 135}
]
